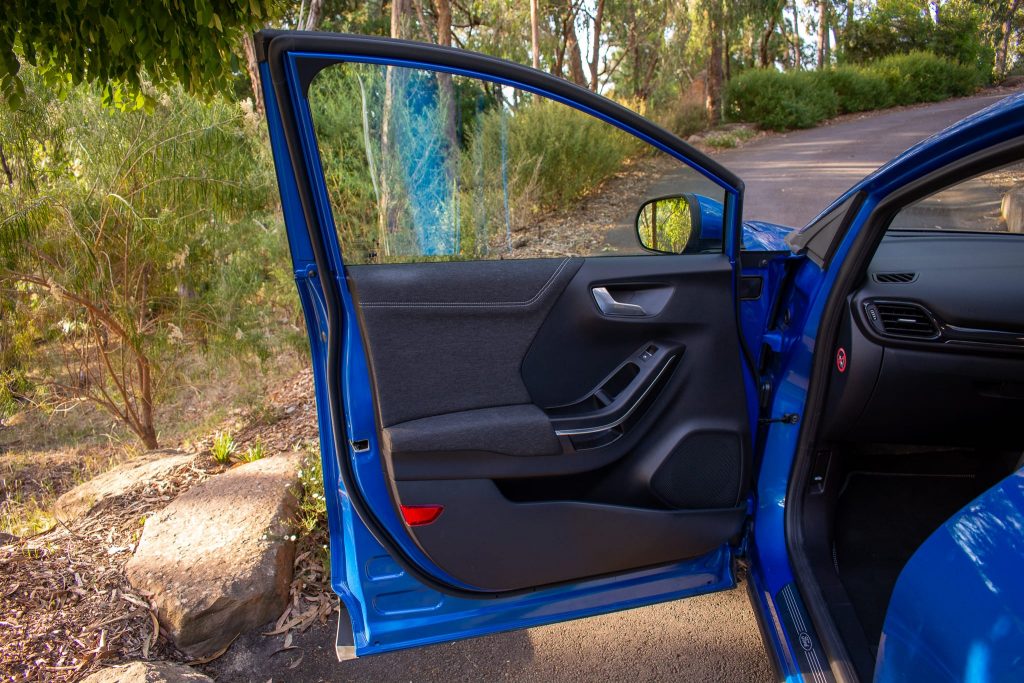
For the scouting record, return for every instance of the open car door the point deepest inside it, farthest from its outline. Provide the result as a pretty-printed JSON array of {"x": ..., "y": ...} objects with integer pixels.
[{"x": 525, "y": 417}]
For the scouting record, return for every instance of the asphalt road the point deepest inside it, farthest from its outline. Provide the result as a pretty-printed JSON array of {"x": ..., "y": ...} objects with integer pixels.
[{"x": 790, "y": 178}]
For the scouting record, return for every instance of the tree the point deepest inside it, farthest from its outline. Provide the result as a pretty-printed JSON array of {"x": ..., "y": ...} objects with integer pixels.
[
  {"x": 798, "y": 50},
  {"x": 122, "y": 240},
  {"x": 534, "y": 35},
  {"x": 120, "y": 42},
  {"x": 823, "y": 39},
  {"x": 595, "y": 47},
  {"x": 1006, "y": 28},
  {"x": 713, "y": 97},
  {"x": 572, "y": 44},
  {"x": 774, "y": 12}
]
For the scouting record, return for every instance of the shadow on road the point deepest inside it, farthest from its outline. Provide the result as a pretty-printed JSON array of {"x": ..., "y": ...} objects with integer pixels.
[{"x": 708, "y": 638}]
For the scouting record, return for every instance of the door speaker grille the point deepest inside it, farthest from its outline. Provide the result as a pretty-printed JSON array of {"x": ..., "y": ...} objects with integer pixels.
[{"x": 703, "y": 471}]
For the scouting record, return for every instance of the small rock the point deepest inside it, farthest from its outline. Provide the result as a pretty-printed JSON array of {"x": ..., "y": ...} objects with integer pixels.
[
  {"x": 1012, "y": 209},
  {"x": 96, "y": 493},
  {"x": 218, "y": 559},
  {"x": 148, "y": 672}
]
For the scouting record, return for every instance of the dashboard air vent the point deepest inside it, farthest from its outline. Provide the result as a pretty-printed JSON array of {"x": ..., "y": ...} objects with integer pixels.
[
  {"x": 905, "y": 320},
  {"x": 894, "y": 278}
]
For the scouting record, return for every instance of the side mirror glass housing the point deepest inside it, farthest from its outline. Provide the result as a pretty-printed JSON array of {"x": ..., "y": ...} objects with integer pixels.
[{"x": 669, "y": 225}]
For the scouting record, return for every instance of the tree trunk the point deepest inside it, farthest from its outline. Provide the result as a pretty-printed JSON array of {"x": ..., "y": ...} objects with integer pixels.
[
  {"x": 1004, "y": 43},
  {"x": 399, "y": 8},
  {"x": 443, "y": 9},
  {"x": 147, "y": 428},
  {"x": 713, "y": 91},
  {"x": 316, "y": 10},
  {"x": 823, "y": 46},
  {"x": 6, "y": 167},
  {"x": 797, "y": 48},
  {"x": 254, "y": 71},
  {"x": 595, "y": 49},
  {"x": 766, "y": 37},
  {"x": 572, "y": 46},
  {"x": 385, "y": 213},
  {"x": 535, "y": 34},
  {"x": 849, "y": 22}
]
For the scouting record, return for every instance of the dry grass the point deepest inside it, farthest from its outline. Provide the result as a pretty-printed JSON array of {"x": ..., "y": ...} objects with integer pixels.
[
  {"x": 45, "y": 453},
  {"x": 31, "y": 480}
]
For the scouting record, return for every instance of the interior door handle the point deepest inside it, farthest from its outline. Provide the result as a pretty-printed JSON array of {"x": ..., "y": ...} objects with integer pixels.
[{"x": 609, "y": 306}]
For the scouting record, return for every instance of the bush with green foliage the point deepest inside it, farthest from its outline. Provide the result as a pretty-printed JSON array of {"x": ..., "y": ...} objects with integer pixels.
[
  {"x": 129, "y": 238},
  {"x": 924, "y": 77},
  {"x": 778, "y": 101},
  {"x": 564, "y": 151},
  {"x": 683, "y": 118},
  {"x": 858, "y": 89},
  {"x": 798, "y": 99}
]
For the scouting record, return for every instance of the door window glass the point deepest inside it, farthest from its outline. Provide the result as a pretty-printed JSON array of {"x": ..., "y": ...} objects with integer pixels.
[
  {"x": 991, "y": 202},
  {"x": 427, "y": 166}
]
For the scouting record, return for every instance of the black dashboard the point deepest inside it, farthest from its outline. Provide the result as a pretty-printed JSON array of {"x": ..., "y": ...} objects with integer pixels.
[{"x": 932, "y": 348}]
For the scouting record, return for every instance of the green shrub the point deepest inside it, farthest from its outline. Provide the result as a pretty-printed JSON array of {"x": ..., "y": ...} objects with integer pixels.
[
  {"x": 253, "y": 453},
  {"x": 898, "y": 27},
  {"x": 564, "y": 151},
  {"x": 924, "y": 77},
  {"x": 777, "y": 101},
  {"x": 799, "y": 99},
  {"x": 859, "y": 89},
  {"x": 128, "y": 240},
  {"x": 224, "y": 447},
  {"x": 684, "y": 119}
]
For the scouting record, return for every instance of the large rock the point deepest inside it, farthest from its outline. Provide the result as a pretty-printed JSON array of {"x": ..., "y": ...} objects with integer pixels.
[
  {"x": 96, "y": 493},
  {"x": 148, "y": 672},
  {"x": 218, "y": 559}
]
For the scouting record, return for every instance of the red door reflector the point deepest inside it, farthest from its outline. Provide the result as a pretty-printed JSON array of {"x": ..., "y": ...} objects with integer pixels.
[
  {"x": 418, "y": 515},
  {"x": 841, "y": 360}
]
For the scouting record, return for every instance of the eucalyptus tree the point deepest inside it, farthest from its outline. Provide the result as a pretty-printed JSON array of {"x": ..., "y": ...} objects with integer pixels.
[{"x": 119, "y": 43}]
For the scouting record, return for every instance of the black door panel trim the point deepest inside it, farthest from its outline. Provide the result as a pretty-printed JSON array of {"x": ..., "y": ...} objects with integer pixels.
[
  {"x": 421, "y": 349},
  {"x": 523, "y": 545}
]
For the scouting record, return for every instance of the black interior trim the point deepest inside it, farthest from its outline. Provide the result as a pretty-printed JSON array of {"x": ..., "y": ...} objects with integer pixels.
[
  {"x": 851, "y": 272},
  {"x": 619, "y": 395},
  {"x": 577, "y": 539}
]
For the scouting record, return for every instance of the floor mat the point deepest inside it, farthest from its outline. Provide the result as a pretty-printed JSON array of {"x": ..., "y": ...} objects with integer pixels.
[{"x": 881, "y": 519}]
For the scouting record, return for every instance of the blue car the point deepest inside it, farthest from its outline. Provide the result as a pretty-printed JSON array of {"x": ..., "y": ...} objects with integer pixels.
[{"x": 533, "y": 411}]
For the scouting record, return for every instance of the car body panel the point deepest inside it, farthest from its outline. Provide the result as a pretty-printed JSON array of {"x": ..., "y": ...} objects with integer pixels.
[{"x": 957, "y": 611}]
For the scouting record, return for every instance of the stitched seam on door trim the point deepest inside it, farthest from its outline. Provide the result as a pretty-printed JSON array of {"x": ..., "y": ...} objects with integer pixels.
[{"x": 473, "y": 304}]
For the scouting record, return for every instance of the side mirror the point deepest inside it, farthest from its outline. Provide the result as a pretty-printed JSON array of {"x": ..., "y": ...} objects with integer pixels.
[{"x": 669, "y": 224}]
